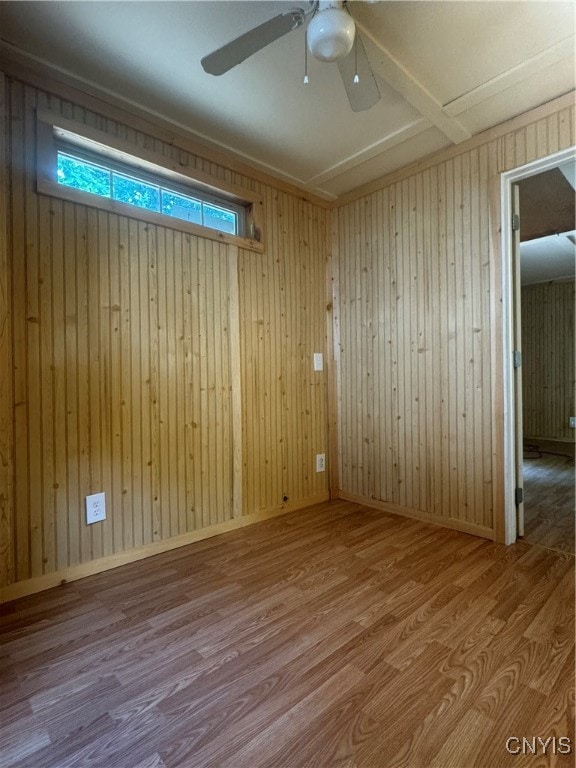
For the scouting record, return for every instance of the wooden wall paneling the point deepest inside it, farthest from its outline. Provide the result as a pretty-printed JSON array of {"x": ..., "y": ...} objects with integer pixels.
[
  {"x": 542, "y": 139},
  {"x": 270, "y": 328},
  {"x": 548, "y": 360},
  {"x": 178, "y": 387},
  {"x": 235, "y": 382},
  {"x": 404, "y": 256},
  {"x": 455, "y": 308},
  {"x": 379, "y": 346},
  {"x": 156, "y": 236},
  {"x": 412, "y": 381},
  {"x": 262, "y": 317},
  {"x": 495, "y": 415},
  {"x": 333, "y": 352},
  {"x": 225, "y": 403},
  {"x": 208, "y": 413},
  {"x": 272, "y": 321},
  {"x": 419, "y": 281},
  {"x": 221, "y": 447},
  {"x": 378, "y": 343},
  {"x": 355, "y": 349},
  {"x": 59, "y": 429},
  {"x": 83, "y": 365},
  {"x": 369, "y": 323},
  {"x": 130, "y": 374},
  {"x": 108, "y": 314},
  {"x": 341, "y": 317},
  {"x": 163, "y": 507},
  {"x": 361, "y": 416},
  {"x": 46, "y": 403},
  {"x": 293, "y": 444},
  {"x": 7, "y": 523},
  {"x": 457, "y": 404},
  {"x": 442, "y": 447},
  {"x": 450, "y": 330},
  {"x": 33, "y": 364},
  {"x": 344, "y": 369},
  {"x": 191, "y": 379},
  {"x": 426, "y": 343},
  {"x": 468, "y": 251},
  {"x": 122, "y": 396},
  {"x": 483, "y": 403},
  {"x": 142, "y": 520},
  {"x": 203, "y": 411},
  {"x": 566, "y": 128},
  {"x": 394, "y": 299},
  {"x": 123, "y": 356},
  {"x": 344, "y": 313}
]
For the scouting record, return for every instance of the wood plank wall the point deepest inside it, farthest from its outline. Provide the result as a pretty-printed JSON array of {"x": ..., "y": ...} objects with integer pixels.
[
  {"x": 131, "y": 342},
  {"x": 419, "y": 321},
  {"x": 548, "y": 378}
]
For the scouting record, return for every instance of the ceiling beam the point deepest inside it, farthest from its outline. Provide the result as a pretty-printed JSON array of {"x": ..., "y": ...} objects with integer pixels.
[
  {"x": 523, "y": 71},
  {"x": 398, "y": 77},
  {"x": 367, "y": 153}
]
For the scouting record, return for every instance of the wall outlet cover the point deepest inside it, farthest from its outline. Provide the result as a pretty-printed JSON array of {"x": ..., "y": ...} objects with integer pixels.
[{"x": 95, "y": 508}]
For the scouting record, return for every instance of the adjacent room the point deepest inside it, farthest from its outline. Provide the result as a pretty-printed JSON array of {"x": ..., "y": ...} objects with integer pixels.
[{"x": 287, "y": 384}]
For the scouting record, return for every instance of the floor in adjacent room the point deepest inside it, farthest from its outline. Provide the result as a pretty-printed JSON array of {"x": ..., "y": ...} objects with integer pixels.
[
  {"x": 336, "y": 637},
  {"x": 549, "y": 494}
]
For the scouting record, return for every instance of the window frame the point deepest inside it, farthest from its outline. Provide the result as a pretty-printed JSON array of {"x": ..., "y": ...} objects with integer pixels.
[{"x": 56, "y": 133}]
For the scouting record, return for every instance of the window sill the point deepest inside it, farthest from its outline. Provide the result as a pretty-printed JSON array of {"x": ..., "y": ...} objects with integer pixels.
[
  {"x": 51, "y": 125},
  {"x": 53, "y": 189}
]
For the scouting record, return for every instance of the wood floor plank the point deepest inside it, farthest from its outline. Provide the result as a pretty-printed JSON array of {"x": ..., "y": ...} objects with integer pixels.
[
  {"x": 549, "y": 494},
  {"x": 334, "y": 637}
]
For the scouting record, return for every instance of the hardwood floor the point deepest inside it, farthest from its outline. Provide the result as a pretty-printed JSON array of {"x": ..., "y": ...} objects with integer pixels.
[
  {"x": 549, "y": 494},
  {"x": 338, "y": 636}
]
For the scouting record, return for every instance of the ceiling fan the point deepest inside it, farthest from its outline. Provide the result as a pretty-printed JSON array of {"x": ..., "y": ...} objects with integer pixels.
[{"x": 331, "y": 36}]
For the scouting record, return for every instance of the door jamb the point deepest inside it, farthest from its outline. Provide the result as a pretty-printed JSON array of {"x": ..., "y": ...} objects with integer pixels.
[{"x": 507, "y": 179}]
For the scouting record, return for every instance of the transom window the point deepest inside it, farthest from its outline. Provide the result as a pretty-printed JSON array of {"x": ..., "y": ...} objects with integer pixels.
[{"x": 99, "y": 176}]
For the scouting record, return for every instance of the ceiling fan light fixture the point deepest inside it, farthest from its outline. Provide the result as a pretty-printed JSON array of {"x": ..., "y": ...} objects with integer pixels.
[{"x": 331, "y": 33}]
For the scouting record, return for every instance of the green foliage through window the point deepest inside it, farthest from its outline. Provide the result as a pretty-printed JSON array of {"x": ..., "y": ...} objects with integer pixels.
[{"x": 80, "y": 173}]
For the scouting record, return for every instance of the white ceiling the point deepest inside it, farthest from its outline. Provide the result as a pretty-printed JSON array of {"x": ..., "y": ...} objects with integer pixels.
[
  {"x": 446, "y": 70},
  {"x": 552, "y": 257},
  {"x": 548, "y": 258}
]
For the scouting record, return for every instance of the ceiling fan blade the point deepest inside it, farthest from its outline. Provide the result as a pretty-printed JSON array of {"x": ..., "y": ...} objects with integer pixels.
[
  {"x": 363, "y": 94},
  {"x": 222, "y": 60}
]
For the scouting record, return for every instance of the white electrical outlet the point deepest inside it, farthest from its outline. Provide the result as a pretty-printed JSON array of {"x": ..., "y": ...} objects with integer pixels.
[
  {"x": 320, "y": 462},
  {"x": 95, "y": 508},
  {"x": 318, "y": 361},
  {"x": 572, "y": 422}
]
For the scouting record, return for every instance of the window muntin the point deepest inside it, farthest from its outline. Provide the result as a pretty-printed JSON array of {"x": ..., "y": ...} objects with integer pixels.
[{"x": 84, "y": 171}]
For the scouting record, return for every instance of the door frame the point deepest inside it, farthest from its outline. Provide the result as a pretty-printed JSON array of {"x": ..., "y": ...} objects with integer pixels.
[{"x": 509, "y": 178}]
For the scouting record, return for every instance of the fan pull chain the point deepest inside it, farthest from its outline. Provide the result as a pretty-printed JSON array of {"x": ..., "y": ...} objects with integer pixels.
[
  {"x": 306, "y": 81},
  {"x": 356, "y": 79}
]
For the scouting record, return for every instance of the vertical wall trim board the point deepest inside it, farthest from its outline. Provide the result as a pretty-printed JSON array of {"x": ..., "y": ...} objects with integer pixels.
[
  {"x": 7, "y": 526},
  {"x": 236, "y": 381}
]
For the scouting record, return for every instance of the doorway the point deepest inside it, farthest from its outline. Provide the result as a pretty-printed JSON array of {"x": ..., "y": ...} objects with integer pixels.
[
  {"x": 547, "y": 272},
  {"x": 538, "y": 270}
]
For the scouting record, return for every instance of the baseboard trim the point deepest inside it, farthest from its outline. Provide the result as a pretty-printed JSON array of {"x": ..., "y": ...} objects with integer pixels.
[
  {"x": 425, "y": 517},
  {"x": 76, "y": 572}
]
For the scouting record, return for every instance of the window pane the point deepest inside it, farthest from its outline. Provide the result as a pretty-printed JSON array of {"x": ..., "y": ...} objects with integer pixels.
[
  {"x": 219, "y": 218},
  {"x": 80, "y": 174},
  {"x": 181, "y": 207},
  {"x": 129, "y": 190}
]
